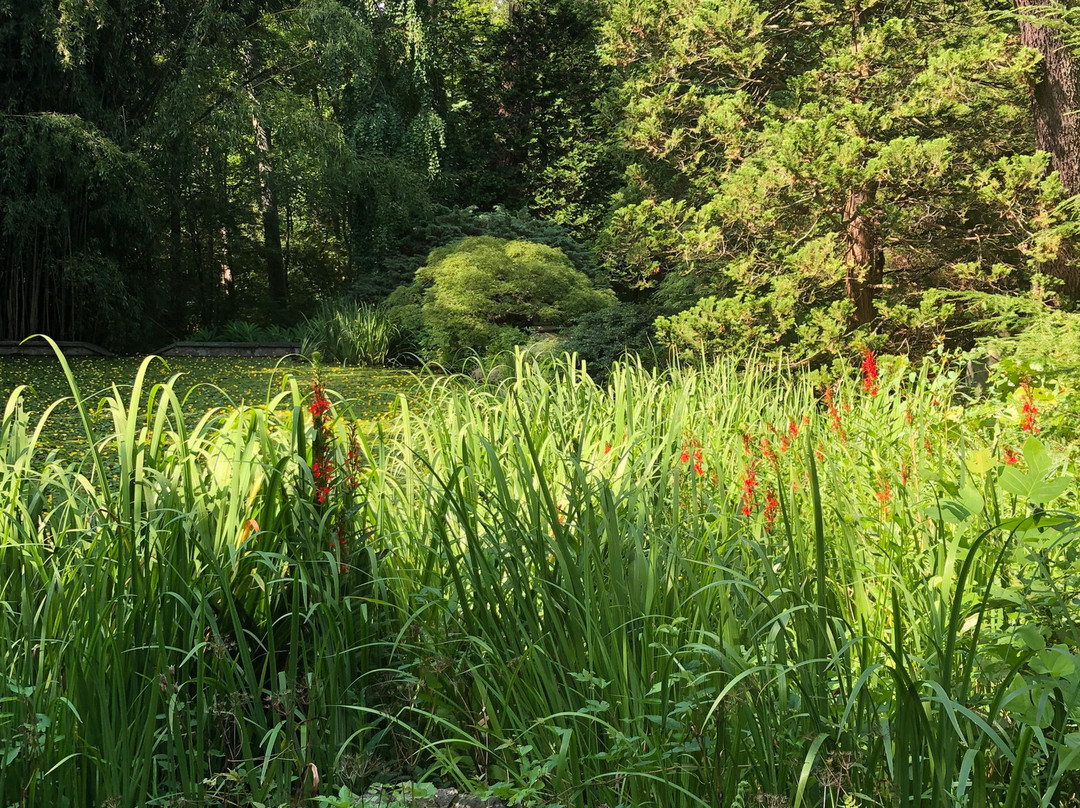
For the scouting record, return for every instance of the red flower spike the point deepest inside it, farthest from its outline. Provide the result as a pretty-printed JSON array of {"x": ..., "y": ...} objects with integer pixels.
[
  {"x": 749, "y": 485},
  {"x": 869, "y": 372},
  {"x": 767, "y": 451},
  {"x": 834, "y": 413},
  {"x": 1029, "y": 411},
  {"x": 772, "y": 506}
]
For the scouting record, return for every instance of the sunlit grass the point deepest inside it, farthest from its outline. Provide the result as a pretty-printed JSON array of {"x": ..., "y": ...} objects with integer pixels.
[{"x": 718, "y": 587}]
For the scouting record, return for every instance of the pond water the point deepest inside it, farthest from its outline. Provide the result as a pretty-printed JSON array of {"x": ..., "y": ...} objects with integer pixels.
[{"x": 205, "y": 383}]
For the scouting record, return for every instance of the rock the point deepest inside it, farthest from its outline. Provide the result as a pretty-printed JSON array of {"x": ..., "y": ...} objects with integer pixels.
[
  {"x": 443, "y": 798},
  {"x": 468, "y": 801}
]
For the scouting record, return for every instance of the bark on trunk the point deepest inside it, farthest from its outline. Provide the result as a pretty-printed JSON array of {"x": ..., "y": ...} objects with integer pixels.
[
  {"x": 226, "y": 265},
  {"x": 1055, "y": 104},
  {"x": 863, "y": 257},
  {"x": 277, "y": 282}
]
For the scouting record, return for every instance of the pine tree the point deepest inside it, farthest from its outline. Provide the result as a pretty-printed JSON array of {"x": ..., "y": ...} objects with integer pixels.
[{"x": 809, "y": 163}]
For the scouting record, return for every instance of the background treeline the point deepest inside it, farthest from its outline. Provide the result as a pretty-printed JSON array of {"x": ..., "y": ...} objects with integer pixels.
[{"x": 736, "y": 172}]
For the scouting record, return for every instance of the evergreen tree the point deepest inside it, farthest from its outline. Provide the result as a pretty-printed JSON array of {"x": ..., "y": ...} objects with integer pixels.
[
  {"x": 526, "y": 126},
  {"x": 1055, "y": 103},
  {"x": 814, "y": 164}
]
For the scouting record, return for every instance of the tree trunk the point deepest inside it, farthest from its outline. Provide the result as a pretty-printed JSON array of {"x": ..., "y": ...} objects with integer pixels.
[
  {"x": 277, "y": 282},
  {"x": 1055, "y": 105},
  {"x": 177, "y": 315},
  {"x": 863, "y": 257}
]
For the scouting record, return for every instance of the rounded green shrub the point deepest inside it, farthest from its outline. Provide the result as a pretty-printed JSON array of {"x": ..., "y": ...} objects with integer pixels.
[{"x": 484, "y": 292}]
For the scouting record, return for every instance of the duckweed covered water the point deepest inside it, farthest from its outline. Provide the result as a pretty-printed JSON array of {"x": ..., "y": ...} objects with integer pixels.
[{"x": 208, "y": 383}]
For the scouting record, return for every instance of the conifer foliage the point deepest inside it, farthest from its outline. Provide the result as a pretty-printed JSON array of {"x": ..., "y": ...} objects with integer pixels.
[{"x": 801, "y": 168}]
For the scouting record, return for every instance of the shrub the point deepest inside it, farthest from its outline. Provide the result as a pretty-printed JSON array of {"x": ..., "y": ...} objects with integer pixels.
[
  {"x": 486, "y": 292},
  {"x": 717, "y": 326},
  {"x": 601, "y": 338},
  {"x": 451, "y": 225}
]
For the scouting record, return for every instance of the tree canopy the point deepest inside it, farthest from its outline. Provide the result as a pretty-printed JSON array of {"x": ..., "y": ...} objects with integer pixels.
[{"x": 790, "y": 175}]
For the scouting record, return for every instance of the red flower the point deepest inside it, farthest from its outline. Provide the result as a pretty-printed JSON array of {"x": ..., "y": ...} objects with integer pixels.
[
  {"x": 684, "y": 457},
  {"x": 749, "y": 486},
  {"x": 607, "y": 448},
  {"x": 772, "y": 505},
  {"x": 869, "y": 372},
  {"x": 1029, "y": 411},
  {"x": 834, "y": 413},
  {"x": 320, "y": 404},
  {"x": 767, "y": 451},
  {"x": 1011, "y": 457}
]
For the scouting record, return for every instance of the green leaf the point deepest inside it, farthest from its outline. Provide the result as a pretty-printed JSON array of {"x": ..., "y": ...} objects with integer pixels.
[
  {"x": 1015, "y": 482},
  {"x": 1056, "y": 661},
  {"x": 1037, "y": 459},
  {"x": 1030, "y": 636},
  {"x": 981, "y": 461},
  {"x": 972, "y": 499},
  {"x": 1050, "y": 489}
]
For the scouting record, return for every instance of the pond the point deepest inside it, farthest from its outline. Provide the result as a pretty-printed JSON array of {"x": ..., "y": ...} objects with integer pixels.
[{"x": 205, "y": 383}]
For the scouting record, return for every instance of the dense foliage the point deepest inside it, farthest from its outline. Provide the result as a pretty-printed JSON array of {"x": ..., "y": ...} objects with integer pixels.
[
  {"x": 806, "y": 176},
  {"x": 727, "y": 586},
  {"x": 481, "y": 295},
  {"x": 763, "y": 563}
]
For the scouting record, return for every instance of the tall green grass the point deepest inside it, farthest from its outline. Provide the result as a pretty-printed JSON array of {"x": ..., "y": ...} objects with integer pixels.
[
  {"x": 593, "y": 621},
  {"x": 350, "y": 333},
  {"x": 550, "y": 591}
]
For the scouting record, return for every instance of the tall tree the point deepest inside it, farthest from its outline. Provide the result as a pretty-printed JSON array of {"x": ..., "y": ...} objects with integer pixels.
[
  {"x": 79, "y": 82},
  {"x": 809, "y": 162},
  {"x": 1056, "y": 109},
  {"x": 527, "y": 125},
  {"x": 276, "y": 278}
]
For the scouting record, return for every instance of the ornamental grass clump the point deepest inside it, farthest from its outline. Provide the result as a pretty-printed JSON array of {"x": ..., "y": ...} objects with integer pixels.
[{"x": 174, "y": 626}]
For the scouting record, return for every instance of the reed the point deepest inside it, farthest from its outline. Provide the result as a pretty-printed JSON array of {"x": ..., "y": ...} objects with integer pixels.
[{"x": 692, "y": 588}]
